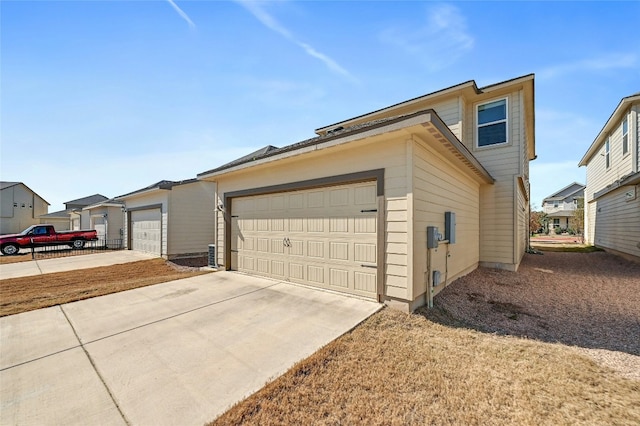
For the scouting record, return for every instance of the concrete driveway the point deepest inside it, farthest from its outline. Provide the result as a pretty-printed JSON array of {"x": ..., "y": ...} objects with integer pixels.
[{"x": 175, "y": 353}]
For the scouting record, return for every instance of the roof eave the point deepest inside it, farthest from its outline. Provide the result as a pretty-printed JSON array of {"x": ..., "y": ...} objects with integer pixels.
[{"x": 613, "y": 119}]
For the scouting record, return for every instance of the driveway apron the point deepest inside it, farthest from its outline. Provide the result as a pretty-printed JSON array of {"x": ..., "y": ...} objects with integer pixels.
[{"x": 174, "y": 353}]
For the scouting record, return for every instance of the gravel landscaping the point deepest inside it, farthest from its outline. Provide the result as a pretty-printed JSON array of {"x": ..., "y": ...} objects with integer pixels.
[{"x": 590, "y": 301}]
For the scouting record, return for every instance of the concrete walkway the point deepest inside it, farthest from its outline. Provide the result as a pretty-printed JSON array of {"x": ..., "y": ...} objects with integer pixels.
[
  {"x": 175, "y": 353},
  {"x": 61, "y": 264}
]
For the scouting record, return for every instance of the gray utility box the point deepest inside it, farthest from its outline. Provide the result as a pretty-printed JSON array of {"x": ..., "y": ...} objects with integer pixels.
[{"x": 432, "y": 237}]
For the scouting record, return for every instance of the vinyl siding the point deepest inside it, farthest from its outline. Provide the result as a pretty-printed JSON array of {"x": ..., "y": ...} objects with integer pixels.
[
  {"x": 192, "y": 219},
  {"x": 16, "y": 219},
  {"x": 498, "y": 227},
  {"x": 617, "y": 221},
  {"x": 144, "y": 200},
  {"x": 522, "y": 218},
  {"x": 438, "y": 187},
  {"x": 389, "y": 154}
]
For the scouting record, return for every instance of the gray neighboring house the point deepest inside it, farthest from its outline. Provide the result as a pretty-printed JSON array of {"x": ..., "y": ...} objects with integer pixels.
[
  {"x": 171, "y": 219},
  {"x": 20, "y": 207},
  {"x": 560, "y": 206}
]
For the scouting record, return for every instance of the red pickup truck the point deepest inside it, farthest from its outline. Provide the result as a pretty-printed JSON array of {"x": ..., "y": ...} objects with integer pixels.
[{"x": 44, "y": 235}]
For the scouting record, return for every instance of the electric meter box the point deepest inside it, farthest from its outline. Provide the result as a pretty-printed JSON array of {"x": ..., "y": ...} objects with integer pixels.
[{"x": 432, "y": 237}]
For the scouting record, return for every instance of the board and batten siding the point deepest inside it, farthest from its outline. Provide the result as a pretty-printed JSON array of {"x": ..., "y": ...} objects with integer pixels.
[
  {"x": 192, "y": 210},
  {"x": 498, "y": 227},
  {"x": 144, "y": 200},
  {"x": 386, "y": 153},
  {"x": 438, "y": 187}
]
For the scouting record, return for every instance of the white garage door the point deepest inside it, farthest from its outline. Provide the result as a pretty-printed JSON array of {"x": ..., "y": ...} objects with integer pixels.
[
  {"x": 146, "y": 231},
  {"x": 100, "y": 225},
  {"x": 324, "y": 237}
]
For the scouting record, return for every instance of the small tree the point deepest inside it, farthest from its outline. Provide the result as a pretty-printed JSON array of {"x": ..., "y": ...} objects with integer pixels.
[
  {"x": 537, "y": 220},
  {"x": 577, "y": 220}
]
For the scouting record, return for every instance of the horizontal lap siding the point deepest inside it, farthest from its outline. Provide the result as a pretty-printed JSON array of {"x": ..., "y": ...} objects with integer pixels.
[
  {"x": 617, "y": 222},
  {"x": 389, "y": 154},
  {"x": 439, "y": 186},
  {"x": 159, "y": 197},
  {"x": 499, "y": 228},
  {"x": 192, "y": 218}
]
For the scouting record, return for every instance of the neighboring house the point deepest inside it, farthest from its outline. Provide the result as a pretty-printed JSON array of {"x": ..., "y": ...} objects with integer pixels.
[
  {"x": 170, "y": 219},
  {"x": 71, "y": 217},
  {"x": 20, "y": 207},
  {"x": 560, "y": 207},
  {"x": 349, "y": 210},
  {"x": 108, "y": 219},
  {"x": 612, "y": 194}
]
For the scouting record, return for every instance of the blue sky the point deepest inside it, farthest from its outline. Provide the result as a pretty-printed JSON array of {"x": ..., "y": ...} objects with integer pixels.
[{"x": 111, "y": 96}]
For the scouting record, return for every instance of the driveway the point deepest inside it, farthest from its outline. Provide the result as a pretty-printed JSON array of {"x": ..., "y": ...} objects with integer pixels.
[{"x": 175, "y": 353}]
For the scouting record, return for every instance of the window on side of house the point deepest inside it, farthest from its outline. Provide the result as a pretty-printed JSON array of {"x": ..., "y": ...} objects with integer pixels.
[
  {"x": 556, "y": 204},
  {"x": 492, "y": 123},
  {"x": 607, "y": 163},
  {"x": 625, "y": 137}
]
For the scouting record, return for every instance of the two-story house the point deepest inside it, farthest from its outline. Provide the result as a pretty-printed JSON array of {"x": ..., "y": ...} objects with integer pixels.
[
  {"x": 20, "y": 207},
  {"x": 561, "y": 206},
  {"x": 612, "y": 194},
  {"x": 391, "y": 205}
]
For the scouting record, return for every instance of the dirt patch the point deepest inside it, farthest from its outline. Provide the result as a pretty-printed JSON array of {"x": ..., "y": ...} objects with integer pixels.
[
  {"x": 35, "y": 292},
  {"x": 587, "y": 300}
]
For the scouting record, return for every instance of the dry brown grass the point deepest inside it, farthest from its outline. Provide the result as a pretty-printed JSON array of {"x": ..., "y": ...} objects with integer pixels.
[
  {"x": 404, "y": 369},
  {"x": 20, "y": 257},
  {"x": 35, "y": 292}
]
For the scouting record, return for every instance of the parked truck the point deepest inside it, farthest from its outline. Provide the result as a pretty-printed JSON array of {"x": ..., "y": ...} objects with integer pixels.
[{"x": 44, "y": 235}]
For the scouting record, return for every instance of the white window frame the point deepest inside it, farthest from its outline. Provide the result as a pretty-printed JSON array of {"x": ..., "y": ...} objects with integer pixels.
[
  {"x": 607, "y": 152},
  {"x": 625, "y": 134},
  {"x": 505, "y": 120}
]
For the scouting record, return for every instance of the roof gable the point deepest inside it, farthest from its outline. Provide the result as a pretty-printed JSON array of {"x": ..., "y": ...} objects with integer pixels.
[
  {"x": 85, "y": 201},
  {"x": 566, "y": 192},
  {"x": 608, "y": 127},
  {"x": 6, "y": 185}
]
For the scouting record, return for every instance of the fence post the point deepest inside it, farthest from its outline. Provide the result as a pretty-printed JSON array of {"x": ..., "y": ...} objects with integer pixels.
[{"x": 33, "y": 250}]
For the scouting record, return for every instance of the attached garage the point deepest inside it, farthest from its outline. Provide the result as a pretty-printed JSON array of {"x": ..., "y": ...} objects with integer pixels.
[
  {"x": 324, "y": 237},
  {"x": 171, "y": 219},
  {"x": 349, "y": 210},
  {"x": 146, "y": 230}
]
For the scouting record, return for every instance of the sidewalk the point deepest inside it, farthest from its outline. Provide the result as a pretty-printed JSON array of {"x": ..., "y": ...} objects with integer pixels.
[{"x": 48, "y": 266}]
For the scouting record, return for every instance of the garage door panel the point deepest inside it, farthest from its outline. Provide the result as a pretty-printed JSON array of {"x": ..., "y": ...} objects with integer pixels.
[
  {"x": 146, "y": 228},
  {"x": 321, "y": 237}
]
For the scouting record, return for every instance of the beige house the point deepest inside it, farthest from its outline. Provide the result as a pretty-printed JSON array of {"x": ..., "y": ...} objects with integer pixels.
[
  {"x": 170, "y": 219},
  {"x": 350, "y": 209},
  {"x": 107, "y": 218},
  {"x": 560, "y": 207},
  {"x": 612, "y": 195},
  {"x": 71, "y": 217},
  {"x": 20, "y": 207}
]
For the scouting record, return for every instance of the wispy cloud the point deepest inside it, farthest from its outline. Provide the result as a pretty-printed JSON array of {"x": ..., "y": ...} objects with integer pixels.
[
  {"x": 606, "y": 62},
  {"x": 440, "y": 42},
  {"x": 258, "y": 11},
  {"x": 182, "y": 14}
]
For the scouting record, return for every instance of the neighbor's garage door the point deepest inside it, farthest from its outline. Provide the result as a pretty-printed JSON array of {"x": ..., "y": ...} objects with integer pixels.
[
  {"x": 146, "y": 231},
  {"x": 324, "y": 237}
]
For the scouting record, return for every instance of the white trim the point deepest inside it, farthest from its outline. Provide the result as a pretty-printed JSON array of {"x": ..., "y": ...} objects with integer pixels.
[{"x": 506, "y": 121}]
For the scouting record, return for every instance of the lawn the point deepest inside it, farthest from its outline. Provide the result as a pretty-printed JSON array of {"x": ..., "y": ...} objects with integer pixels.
[
  {"x": 555, "y": 343},
  {"x": 41, "y": 291},
  {"x": 398, "y": 369}
]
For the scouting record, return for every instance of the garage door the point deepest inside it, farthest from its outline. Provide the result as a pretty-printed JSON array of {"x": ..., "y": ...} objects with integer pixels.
[
  {"x": 324, "y": 237},
  {"x": 146, "y": 231},
  {"x": 100, "y": 225}
]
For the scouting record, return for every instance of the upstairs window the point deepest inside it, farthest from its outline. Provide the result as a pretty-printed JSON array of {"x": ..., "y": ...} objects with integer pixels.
[
  {"x": 606, "y": 154},
  {"x": 492, "y": 123},
  {"x": 556, "y": 204},
  {"x": 625, "y": 136}
]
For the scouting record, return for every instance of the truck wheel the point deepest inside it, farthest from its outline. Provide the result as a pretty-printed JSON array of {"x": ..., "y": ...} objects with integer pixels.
[
  {"x": 10, "y": 249},
  {"x": 78, "y": 244}
]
